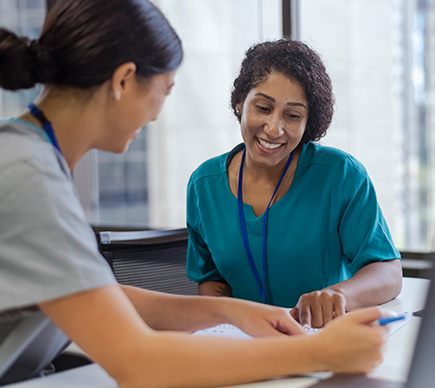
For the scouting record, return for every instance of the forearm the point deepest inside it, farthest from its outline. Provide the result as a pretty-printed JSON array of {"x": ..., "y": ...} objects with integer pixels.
[
  {"x": 199, "y": 361},
  {"x": 372, "y": 285},
  {"x": 176, "y": 312}
]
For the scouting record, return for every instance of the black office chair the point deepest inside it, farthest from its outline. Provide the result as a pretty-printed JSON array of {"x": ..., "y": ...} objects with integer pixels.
[
  {"x": 417, "y": 264},
  {"x": 150, "y": 259}
]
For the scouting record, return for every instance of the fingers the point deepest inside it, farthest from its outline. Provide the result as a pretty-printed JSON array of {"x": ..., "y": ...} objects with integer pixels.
[
  {"x": 367, "y": 315},
  {"x": 262, "y": 320},
  {"x": 327, "y": 313},
  {"x": 318, "y": 308},
  {"x": 295, "y": 313},
  {"x": 289, "y": 326},
  {"x": 282, "y": 323},
  {"x": 305, "y": 315},
  {"x": 284, "y": 329},
  {"x": 352, "y": 344},
  {"x": 338, "y": 310}
]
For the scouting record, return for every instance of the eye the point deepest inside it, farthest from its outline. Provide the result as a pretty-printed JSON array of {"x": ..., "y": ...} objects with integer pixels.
[
  {"x": 262, "y": 108},
  {"x": 294, "y": 116}
]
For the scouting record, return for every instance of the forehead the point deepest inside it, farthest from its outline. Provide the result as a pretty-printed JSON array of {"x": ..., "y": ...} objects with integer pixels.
[{"x": 278, "y": 85}]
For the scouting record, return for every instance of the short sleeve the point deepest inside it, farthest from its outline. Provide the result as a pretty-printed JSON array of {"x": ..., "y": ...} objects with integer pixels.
[
  {"x": 200, "y": 265},
  {"x": 47, "y": 248},
  {"x": 363, "y": 231}
]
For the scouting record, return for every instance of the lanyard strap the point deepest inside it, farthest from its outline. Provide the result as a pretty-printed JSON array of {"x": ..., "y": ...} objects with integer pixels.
[
  {"x": 261, "y": 284},
  {"x": 37, "y": 113}
]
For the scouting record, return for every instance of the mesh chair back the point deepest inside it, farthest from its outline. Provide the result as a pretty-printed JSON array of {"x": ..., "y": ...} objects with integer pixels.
[{"x": 150, "y": 259}]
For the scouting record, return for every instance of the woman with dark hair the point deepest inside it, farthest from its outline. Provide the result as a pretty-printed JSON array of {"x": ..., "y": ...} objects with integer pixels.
[
  {"x": 107, "y": 67},
  {"x": 283, "y": 220}
]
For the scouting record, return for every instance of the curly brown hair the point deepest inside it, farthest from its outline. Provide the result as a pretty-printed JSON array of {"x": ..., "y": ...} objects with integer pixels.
[{"x": 299, "y": 63}]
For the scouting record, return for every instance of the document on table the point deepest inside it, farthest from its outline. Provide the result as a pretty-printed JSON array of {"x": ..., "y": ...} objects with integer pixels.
[
  {"x": 394, "y": 326},
  {"x": 227, "y": 330}
]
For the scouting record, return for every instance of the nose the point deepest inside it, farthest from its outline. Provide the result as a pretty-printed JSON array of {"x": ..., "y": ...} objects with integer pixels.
[{"x": 274, "y": 126}]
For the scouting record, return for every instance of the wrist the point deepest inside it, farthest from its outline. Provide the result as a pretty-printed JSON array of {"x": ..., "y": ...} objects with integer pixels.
[
  {"x": 312, "y": 356},
  {"x": 225, "y": 308},
  {"x": 340, "y": 290}
]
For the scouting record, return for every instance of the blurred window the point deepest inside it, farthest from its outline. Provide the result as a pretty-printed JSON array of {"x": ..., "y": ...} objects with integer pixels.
[{"x": 380, "y": 55}]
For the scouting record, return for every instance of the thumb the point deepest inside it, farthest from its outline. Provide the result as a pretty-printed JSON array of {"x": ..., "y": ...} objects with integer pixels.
[
  {"x": 283, "y": 328},
  {"x": 294, "y": 312},
  {"x": 289, "y": 326},
  {"x": 367, "y": 316}
]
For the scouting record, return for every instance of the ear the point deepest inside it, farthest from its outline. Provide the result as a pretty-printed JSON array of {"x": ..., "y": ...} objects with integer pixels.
[
  {"x": 121, "y": 79},
  {"x": 239, "y": 107}
]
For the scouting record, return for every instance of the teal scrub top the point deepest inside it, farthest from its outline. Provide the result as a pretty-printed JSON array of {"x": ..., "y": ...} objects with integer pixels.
[{"x": 322, "y": 231}]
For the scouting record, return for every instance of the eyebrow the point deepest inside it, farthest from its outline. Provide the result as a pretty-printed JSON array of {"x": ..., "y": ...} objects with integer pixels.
[
  {"x": 169, "y": 88},
  {"x": 273, "y": 100}
]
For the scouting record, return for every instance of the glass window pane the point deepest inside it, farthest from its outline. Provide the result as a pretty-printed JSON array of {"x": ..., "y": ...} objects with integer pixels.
[{"x": 379, "y": 56}]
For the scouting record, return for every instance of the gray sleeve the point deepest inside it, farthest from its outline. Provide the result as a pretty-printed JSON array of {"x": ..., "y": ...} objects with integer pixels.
[{"x": 47, "y": 248}]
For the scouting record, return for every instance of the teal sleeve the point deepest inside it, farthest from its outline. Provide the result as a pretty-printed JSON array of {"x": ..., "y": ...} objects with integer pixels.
[
  {"x": 200, "y": 265},
  {"x": 363, "y": 231}
]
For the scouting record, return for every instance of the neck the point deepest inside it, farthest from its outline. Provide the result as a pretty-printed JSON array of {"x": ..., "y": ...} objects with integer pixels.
[
  {"x": 267, "y": 174},
  {"x": 72, "y": 124}
]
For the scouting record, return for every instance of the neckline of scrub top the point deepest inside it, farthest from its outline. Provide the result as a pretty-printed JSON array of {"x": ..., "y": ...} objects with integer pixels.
[
  {"x": 39, "y": 131},
  {"x": 249, "y": 207}
]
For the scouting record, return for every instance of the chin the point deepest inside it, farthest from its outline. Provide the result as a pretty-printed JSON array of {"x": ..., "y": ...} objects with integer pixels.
[
  {"x": 119, "y": 148},
  {"x": 124, "y": 149}
]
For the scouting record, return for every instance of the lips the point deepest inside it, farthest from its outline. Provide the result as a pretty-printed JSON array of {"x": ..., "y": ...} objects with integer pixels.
[{"x": 269, "y": 146}]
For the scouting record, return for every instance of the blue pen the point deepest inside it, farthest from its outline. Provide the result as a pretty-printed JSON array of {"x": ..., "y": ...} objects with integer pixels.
[{"x": 387, "y": 320}]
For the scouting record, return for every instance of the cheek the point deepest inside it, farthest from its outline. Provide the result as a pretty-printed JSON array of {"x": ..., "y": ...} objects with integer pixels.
[
  {"x": 303, "y": 126},
  {"x": 156, "y": 102},
  {"x": 251, "y": 122}
]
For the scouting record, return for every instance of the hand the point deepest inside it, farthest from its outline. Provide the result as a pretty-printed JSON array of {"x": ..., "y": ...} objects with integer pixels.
[
  {"x": 317, "y": 308},
  {"x": 349, "y": 344},
  {"x": 260, "y": 320}
]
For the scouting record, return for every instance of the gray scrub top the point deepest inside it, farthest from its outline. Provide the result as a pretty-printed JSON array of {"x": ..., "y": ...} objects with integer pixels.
[{"x": 47, "y": 248}]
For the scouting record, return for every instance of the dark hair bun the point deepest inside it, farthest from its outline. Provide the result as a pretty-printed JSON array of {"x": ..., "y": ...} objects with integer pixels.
[{"x": 23, "y": 63}]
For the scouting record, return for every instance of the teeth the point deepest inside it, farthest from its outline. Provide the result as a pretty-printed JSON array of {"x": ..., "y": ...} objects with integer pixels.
[{"x": 269, "y": 146}]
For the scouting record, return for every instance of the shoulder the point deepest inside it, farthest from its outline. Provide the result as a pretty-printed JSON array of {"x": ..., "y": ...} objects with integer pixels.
[
  {"x": 24, "y": 144},
  {"x": 316, "y": 155},
  {"x": 215, "y": 167}
]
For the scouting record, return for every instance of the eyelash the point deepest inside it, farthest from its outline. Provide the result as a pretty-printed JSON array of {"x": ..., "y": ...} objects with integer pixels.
[{"x": 264, "y": 109}]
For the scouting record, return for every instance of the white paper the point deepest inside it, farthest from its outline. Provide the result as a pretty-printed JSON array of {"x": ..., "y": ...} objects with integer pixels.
[{"x": 227, "y": 330}]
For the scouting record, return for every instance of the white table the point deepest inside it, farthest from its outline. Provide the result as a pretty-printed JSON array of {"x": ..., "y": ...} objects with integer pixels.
[{"x": 395, "y": 366}]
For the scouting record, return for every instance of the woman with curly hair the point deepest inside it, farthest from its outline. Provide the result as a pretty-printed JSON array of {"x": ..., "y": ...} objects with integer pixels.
[{"x": 281, "y": 219}]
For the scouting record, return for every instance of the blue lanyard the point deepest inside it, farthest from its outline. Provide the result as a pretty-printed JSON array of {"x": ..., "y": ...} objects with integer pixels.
[
  {"x": 261, "y": 284},
  {"x": 35, "y": 112}
]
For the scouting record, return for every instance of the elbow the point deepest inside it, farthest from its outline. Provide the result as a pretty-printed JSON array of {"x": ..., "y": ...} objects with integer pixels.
[{"x": 396, "y": 277}]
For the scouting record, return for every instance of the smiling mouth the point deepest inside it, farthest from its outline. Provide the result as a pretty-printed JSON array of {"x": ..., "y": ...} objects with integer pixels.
[{"x": 269, "y": 146}]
